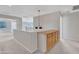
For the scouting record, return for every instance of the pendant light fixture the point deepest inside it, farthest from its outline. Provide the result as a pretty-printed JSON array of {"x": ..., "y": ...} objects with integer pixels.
[{"x": 39, "y": 25}]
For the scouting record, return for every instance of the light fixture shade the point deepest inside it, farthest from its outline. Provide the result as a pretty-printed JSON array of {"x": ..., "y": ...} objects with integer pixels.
[
  {"x": 39, "y": 25},
  {"x": 36, "y": 27}
]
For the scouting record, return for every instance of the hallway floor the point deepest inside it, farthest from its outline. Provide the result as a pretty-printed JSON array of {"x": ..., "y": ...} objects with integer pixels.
[
  {"x": 12, "y": 47},
  {"x": 63, "y": 47}
]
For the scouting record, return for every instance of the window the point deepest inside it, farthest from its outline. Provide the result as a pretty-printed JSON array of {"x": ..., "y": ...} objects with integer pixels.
[
  {"x": 7, "y": 25},
  {"x": 27, "y": 23},
  {"x": 2, "y": 24}
]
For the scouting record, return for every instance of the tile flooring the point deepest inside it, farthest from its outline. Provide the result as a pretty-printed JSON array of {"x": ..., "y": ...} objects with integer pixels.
[
  {"x": 62, "y": 47},
  {"x": 65, "y": 47}
]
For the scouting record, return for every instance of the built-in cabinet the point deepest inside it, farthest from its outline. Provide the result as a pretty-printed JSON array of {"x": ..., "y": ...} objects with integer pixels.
[
  {"x": 52, "y": 39},
  {"x": 47, "y": 39}
]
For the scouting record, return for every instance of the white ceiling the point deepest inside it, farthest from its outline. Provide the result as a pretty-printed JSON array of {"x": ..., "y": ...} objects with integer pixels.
[{"x": 31, "y": 10}]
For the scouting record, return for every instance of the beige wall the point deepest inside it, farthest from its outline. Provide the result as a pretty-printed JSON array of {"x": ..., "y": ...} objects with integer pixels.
[
  {"x": 49, "y": 21},
  {"x": 71, "y": 26}
]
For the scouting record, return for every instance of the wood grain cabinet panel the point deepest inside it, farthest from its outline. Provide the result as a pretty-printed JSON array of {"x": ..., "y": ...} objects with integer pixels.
[{"x": 52, "y": 39}]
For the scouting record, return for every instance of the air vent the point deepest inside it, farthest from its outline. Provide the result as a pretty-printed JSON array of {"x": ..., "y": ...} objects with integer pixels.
[{"x": 75, "y": 7}]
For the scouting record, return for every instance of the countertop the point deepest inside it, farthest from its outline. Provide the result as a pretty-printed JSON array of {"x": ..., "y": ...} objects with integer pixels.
[{"x": 41, "y": 30}]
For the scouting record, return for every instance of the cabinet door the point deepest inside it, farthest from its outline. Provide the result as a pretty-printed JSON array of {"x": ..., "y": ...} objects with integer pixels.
[{"x": 50, "y": 41}]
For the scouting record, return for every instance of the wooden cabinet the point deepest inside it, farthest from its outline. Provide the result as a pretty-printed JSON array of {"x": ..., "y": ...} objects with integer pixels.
[
  {"x": 52, "y": 39},
  {"x": 47, "y": 40}
]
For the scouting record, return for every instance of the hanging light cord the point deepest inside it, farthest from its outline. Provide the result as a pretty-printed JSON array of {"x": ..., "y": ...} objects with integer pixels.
[{"x": 39, "y": 18}]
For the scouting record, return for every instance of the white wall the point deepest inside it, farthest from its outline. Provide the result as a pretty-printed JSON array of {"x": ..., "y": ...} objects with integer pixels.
[
  {"x": 27, "y": 39},
  {"x": 48, "y": 21},
  {"x": 42, "y": 42},
  {"x": 19, "y": 24},
  {"x": 71, "y": 26}
]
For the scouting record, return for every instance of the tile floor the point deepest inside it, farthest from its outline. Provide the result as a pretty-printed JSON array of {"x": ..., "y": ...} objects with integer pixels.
[
  {"x": 62, "y": 47},
  {"x": 65, "y": 47}
]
